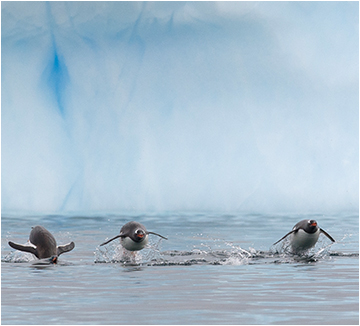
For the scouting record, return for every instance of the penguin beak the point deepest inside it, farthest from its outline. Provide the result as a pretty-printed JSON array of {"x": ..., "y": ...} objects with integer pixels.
[
  {"x": 313, "y": 224},
  {"x": 140, "y": 235}
]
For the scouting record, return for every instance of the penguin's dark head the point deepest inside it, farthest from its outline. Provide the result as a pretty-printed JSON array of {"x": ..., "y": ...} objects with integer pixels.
[
  {"x": 311, "y": 226},
  {"x": 139, "y": 235},
  {"x": 53, "y": 259}
]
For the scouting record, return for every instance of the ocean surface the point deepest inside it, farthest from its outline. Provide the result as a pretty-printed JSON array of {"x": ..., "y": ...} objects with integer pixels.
[{"x": 213, "y": 269}]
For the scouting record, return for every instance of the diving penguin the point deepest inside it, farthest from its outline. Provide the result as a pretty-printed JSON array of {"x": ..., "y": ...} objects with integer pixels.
[
  {"x": 304, "y": 235},
  {"x": 45, "y": 245},
  {"x": 133, "y": 236}
]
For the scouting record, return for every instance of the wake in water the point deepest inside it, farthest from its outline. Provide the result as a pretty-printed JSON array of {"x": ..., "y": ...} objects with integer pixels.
[
  {"x": 208, "y": 252},
  {"x": 206, "y": 255}
]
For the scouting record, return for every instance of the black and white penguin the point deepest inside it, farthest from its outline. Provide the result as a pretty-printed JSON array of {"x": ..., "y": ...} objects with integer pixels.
[
  {"x": 45, "y": 245},
  {"x": 133, "y": 236},
  {"x": 304, "y": 235}
]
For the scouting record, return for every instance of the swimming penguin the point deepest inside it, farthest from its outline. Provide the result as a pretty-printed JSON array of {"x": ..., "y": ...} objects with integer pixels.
[
  {"x": 305, "y": 234},
  {"x": 45, "y": 245},
  {"x": 133, "y": 236}
]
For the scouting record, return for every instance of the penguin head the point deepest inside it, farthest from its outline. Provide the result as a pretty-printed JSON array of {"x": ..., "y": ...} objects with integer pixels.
[
  {"x": 53, "y": 259},
  {"x": 139, "y": 235},
  {"x": 311, "y": 226}
]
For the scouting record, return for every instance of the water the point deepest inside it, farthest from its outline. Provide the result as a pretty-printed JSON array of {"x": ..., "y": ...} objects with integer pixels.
[{"x": 214, "y": 269}]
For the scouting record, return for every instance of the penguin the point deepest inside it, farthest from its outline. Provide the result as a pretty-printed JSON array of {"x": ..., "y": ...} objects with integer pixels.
[
  {"x": 305, "y": 234},
  {"x": 45, "y": 245},
  {"x": 133, "y": 236}
]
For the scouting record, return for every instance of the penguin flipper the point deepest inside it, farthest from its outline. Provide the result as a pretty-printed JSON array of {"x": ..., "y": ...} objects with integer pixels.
[
  {"x": 65, "y": 248},
  {"x": 157, "y": 235},
  {"x": 121, "y": 235},
  {"x": 292, "y": 231},
  {"x": 30, "y": 249},
  {"x": 328, "y": 235}
]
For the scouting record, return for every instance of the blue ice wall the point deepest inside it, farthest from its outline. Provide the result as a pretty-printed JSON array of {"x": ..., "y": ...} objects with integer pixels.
[{"x": 226, "y": 106}]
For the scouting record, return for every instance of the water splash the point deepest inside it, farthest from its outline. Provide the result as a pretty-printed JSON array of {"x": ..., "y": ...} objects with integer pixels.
[
  {"x": 319, "y": 251},
  {"x": 17, "y": 256},
  {"x": 115, "y": 253}
]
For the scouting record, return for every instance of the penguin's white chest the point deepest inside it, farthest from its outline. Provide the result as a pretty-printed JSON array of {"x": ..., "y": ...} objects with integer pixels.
[
  {"x": 302, "y": 241},
  {"x": 131, "y": 245}
]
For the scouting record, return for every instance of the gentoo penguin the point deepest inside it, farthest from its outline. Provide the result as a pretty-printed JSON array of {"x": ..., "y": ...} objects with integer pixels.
[
  {"x": 45, "y": 245},
  {"x": 304, "y": 235},
  {"x": 133, "y": 236}
]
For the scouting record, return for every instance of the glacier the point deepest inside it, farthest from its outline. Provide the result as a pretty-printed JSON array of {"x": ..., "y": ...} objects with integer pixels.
[{"x": 179, "y": 106}]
